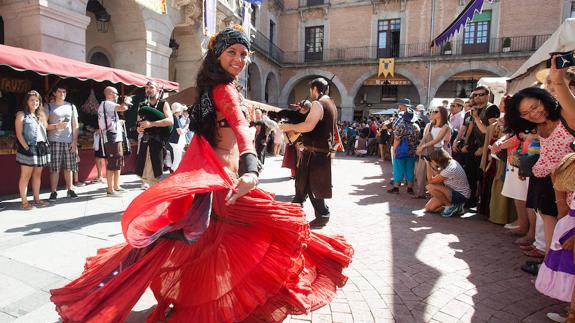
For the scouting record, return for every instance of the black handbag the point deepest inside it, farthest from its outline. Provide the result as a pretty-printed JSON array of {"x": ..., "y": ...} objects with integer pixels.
[{"x": 526, "y": 163}]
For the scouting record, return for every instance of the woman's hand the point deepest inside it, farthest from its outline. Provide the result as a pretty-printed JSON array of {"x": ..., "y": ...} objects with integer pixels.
[
  {"x": 496, "y": 147},
  {"x": 419, "y": 151},
  {"x": 568, "y": 244},
  {"x": 556, "y": 75},
  {"x": 246, "y": 183}
]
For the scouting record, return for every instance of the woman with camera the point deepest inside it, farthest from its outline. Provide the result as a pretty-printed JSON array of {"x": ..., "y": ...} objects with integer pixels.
[
  {"x": 448, "y": 184},
  {"x": 32, "y": 153}
]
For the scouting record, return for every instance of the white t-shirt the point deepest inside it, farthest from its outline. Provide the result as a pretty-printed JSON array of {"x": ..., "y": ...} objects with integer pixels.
[
  {"x": 456, "y": 178},
  {"x": 456, "y": 120},
  {"x": 59, "y": 113},
  {"x": 114, "y": 124}
]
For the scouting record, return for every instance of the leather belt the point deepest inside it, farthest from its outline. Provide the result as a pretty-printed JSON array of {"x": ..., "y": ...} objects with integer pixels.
[{"x": 316, "y": 149}]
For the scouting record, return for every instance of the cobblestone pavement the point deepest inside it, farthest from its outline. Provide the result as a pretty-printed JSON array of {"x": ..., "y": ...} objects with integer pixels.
[{"x": 408, "y": 266}]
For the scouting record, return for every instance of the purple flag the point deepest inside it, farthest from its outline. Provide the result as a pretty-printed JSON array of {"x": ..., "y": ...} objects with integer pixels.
[{"x": 465, "y": 16}]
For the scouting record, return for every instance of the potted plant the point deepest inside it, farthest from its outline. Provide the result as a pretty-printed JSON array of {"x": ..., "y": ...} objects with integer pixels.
[
  {"x": 447, "y": 48},
  {"x": 506, "y": 45}
]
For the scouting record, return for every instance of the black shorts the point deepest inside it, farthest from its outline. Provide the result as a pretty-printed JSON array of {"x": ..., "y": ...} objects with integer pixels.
[{"x": 541, "y": 195}]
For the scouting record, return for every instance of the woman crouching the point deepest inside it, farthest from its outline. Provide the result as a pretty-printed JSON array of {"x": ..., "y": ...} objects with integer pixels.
[{"x": 448, "y": 184}]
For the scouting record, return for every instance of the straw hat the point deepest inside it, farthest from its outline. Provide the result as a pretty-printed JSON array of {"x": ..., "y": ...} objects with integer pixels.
[{"x": 565, "y": 174}]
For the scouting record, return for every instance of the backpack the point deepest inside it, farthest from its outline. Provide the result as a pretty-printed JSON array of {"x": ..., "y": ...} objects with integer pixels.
[{"x": 402, "y": 150}]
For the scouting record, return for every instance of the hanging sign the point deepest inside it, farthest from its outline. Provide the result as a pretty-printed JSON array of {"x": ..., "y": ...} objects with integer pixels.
[{"x": 15, "y": 85}]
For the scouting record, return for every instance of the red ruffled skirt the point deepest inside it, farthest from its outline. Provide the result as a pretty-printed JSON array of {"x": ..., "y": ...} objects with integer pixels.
[{"x": 256, "y": 260}]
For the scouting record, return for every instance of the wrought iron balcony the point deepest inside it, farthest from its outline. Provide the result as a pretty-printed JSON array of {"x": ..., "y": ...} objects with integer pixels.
[
  {"x": 266, "y": 47},
  {"x": 520, "y": 44}
]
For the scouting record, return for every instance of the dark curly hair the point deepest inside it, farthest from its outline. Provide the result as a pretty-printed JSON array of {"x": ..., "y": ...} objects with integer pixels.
[
  {"x": 211, "y": 73},
  {"x": 514, "y": 123},
  {"x": 203, "y": 113}
]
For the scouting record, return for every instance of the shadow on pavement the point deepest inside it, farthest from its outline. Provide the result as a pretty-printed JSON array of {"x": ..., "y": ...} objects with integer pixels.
[
  {"x": 451, "y": 269},
  {"x": 67, "y": 224}
]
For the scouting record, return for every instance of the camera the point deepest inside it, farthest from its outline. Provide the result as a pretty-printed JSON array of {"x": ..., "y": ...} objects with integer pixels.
[
  {"x": 122, "y": 99},
  {"x": 564, "y": 60}
]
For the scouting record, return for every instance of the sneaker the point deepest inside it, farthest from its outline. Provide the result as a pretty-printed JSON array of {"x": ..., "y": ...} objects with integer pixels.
[
  {"x": 460, "y": 209},
  {"x": 410, "y": 191},
  {"x": 80, "y": 184},
  {"x": 450, "y": 211},
  {"x": 71, "y": 194},
  {"x": 556, "y": 317},
  {"x": 393, "y": 190},
  {"x": 53, "y": 196}
]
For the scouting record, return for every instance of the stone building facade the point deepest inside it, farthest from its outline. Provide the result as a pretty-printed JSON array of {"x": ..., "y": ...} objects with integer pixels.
[{"x": 295, "y": 41}]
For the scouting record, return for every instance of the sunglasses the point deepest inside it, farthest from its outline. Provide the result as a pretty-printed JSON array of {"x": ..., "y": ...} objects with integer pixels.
[
  {"x": 478, "y": 94},
  {"x": 434, "y": 111}
]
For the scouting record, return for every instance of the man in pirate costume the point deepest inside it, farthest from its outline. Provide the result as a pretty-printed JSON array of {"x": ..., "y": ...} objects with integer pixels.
[
  {"x": 313, "y": 175},
  {"x": 155, "y": 119}
]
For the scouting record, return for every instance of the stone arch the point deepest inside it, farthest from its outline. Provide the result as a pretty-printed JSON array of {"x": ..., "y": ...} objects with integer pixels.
[
  {"x": 417, "y": 83},
  {"x": 474, "y": 65},
  {"x": 290, "y": 84},
  {"x": 255, "y": 88},
  {"x": 97, "y": 54},
  {"x": 271, "y": 88}
]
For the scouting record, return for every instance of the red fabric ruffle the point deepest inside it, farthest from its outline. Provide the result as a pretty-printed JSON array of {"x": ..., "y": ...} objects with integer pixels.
[{"x": 257, "y": 261}]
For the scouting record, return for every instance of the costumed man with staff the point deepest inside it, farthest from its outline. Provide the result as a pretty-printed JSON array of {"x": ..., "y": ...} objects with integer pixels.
[
  {"x": 154, "y": 125},
  {"x": 313, "y": 175}
]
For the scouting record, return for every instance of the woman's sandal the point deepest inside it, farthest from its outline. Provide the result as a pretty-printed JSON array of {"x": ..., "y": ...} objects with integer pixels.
[
  {"x": 41, "y": 203},
  {"x": 26, "y": 206}
]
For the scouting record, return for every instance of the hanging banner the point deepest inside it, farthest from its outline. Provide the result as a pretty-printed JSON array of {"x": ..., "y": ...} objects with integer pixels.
[
  {"x": 386, "y": 67},
  {"x": 158, "y": 6},
  {"x": 246, "y": 20},
  {"x": 210, "y": 17},
  {"x": 462, "y": 19}
]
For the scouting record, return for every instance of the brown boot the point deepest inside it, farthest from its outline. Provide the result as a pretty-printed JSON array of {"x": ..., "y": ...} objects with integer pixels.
[{"x": 318, "y": 223}]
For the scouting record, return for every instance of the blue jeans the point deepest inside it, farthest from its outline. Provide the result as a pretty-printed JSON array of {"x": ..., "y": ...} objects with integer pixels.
[{"x": 403, "y": 168}]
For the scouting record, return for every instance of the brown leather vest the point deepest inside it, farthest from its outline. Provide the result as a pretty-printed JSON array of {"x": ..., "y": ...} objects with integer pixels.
[{"x": 321, "y": 137}]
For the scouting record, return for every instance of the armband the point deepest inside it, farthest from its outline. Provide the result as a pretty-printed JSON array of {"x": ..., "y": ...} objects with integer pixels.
[{"x": 248, "y": 164}]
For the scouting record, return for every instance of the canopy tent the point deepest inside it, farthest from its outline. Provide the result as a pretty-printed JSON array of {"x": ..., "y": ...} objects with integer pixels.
[
  {"x": 47, "y": 64},
  {"x": 385, "y": 112},
  {"x": 562, "y": 40}
]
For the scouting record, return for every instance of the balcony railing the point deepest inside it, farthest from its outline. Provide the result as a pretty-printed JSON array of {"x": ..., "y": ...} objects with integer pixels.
[
  {"x": 266, "y": 47},
  {"x": 312, "y": 3},
  {"x": 458, "y": 48}
]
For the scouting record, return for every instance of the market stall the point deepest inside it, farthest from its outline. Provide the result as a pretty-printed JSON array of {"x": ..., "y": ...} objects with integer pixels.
[{"x": 22, "y": 70}]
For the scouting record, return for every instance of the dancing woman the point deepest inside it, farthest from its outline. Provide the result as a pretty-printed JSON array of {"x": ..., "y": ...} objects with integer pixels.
[{"x": 212, "y": 246}]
